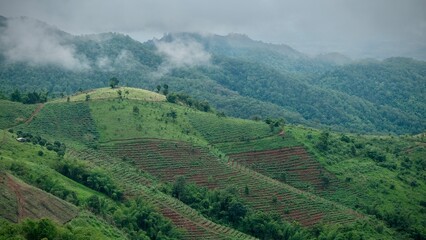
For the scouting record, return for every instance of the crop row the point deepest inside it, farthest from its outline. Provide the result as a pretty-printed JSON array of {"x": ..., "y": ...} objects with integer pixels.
[
  {"x": 291, "y": 165},
  {"x": 64, "y": 121},
  {"x": 266, "y": 143},
  {"x": 294, "y": 166},
  {"x": 218, "y": 129},
  {"x": 136, "y": 183},
  {"x": 168, "y": 159}
]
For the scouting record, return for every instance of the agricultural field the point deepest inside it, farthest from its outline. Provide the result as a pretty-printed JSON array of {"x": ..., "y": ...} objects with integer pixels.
[
  {"x": 216, "y": 129},
  {"x": 137, "y": 183},
  {"x": 167, "y": 160},
  {"x": 67, "y": 121},
  {"x": 139, "y": 147},
  {"x": 141, "y": 120},
  {"x": 109, "y": 93},
  {"x": 20, "y": 201},
  {"x": 387, "y": 173},
  {"x": 291, "y": 165},
  {"x": 21, "y": 113},
  {"x": 267, "y": 143}
]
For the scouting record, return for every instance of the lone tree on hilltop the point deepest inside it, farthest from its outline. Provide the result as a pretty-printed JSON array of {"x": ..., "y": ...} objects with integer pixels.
[
  {"x": 165, "y": 89},
  {"x": 113, "y": 82}
]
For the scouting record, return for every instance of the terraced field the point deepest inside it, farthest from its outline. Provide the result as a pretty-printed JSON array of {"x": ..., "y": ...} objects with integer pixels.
[
  {"x": 267, "y": 143},
  {"x": 218, "y": 130},
  {"x": 137, "y": 184},
  {"x": 292, "y": 165},
  {"x": 168, "y": 159},
  {"x": 70, "y": 121},
  {"x": 23, "y": 201}
]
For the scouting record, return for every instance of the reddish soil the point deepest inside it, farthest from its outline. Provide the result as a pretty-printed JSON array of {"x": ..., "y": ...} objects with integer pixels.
[
  {"x": 35, "y": 203},
  {"x": 169, "y": 159},
  {"x": 19, "y": 198},
  {"x": 300, "y": 169}
]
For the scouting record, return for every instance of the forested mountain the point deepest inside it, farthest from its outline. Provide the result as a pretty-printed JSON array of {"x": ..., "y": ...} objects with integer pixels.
[{"x": 237, "y": 75}]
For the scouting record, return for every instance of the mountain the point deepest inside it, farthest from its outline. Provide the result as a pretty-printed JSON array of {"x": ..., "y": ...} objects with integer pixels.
[
  {"x": 132, "y": 164},
  {"x": 235, "y": 74}
]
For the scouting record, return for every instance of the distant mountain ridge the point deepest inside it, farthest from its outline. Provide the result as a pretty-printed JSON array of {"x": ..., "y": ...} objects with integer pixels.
[{"x": 237, "y": 75}]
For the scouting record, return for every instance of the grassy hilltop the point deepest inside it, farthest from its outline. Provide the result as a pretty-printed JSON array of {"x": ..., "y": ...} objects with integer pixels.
[{"x": 126, "y": 163}]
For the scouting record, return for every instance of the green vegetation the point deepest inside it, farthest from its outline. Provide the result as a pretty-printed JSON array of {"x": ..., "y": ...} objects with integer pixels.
[
  {"x": 95, "y": 179},
  {"x": 266, "y": 143},
  {"x": 41, "y": 229},
  {"x": 28, "y": 98},
  {"x": 225, "y": 207},
  {"x": 118, "y": 176},
  {"x": 155, "y": 120},
  {"x": 71, "y": 121},
  {"x": 13, "y": 113},
  {"x": 108, "y": 93},
  {"x": 56, "y": 146},
  {"x": 113, "y": 82},
  {"x": 187, "y": 100},
  {"x": 216, "y": 129},
  {"x": 138, "y": 218},
  {"x": 388, "y": 171},
  {"x": 245, "y": 78}
]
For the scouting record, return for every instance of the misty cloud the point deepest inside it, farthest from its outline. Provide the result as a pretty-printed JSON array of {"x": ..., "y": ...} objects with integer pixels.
[
  {"x": 124, "y": 60},
  {"x": 352, "y": 27},
  {"x": 26, "y": 40},
  {"x": 179, "y": 53}
]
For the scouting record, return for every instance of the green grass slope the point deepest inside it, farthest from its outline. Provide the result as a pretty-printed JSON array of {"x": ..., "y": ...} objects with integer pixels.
[
  {"x": 13, "y": 113},
  {"x": 29, "y": 202},
  {"x": 331, "y": 182},
  {"x": 31, "y": 188},
  {"x": 63, "y": 121},
  {"x": 110, "y": 93}
]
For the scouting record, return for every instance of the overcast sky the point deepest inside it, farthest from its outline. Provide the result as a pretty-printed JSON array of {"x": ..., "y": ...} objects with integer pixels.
[{"x": 358, "y": 28}]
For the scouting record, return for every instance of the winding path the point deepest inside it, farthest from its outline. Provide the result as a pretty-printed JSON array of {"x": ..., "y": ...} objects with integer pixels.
[{"x": 36, "y": 111}]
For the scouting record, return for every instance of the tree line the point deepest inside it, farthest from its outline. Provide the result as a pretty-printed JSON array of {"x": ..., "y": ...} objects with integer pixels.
[{"x": 29, "y": 97}]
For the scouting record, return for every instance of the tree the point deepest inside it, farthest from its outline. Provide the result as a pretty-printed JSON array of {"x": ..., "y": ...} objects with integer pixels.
[
  {"x": 172, "y": 114},
  {"x": 120, "y": 94},
  {"x": 16, "y": 96},
  {"x": 179, "y": 187},
  {"x": 113, "y": 82},
  {"x": 44, "y": 229},
  {"x": 236, "y": 212},
  {"x": 158, "y": 88},
  {"x": 324, "y": 141},
  {"x": 94, "y": 204},
  {"x": 165, "y": 89},
  {"x": 246, "y": 190},
  {"x": 136, "y": 110}
]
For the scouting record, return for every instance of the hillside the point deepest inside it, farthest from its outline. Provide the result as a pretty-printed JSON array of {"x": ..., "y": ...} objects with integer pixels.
[
  {"x": 138, "y": 164},
  {"x": 237, "y": 75}
]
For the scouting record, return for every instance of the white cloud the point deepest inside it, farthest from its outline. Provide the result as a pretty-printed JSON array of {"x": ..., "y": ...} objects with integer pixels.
[
  {"x": 26, "y": 40},
  {"x": 179, "y": 53},
  {"x": 124, "y": 60}
]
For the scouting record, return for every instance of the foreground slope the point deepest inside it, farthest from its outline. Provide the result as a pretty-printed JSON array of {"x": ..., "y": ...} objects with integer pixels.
[
  {"x": 20, "y": 201},
  {"x": 319, "y": 180},
  {"x": 32, "y": 190}
]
